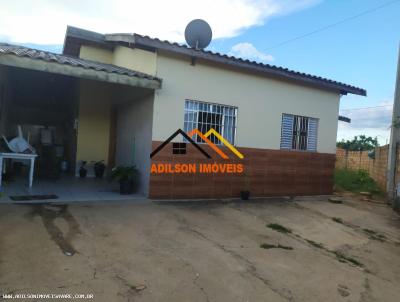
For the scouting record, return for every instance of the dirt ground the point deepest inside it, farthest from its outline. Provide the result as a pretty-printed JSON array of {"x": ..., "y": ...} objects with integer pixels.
[{"x": 203, "y": 251}]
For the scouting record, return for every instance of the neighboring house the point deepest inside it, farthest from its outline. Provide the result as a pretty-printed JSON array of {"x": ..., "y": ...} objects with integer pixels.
[{"x": 122, "y": 95}]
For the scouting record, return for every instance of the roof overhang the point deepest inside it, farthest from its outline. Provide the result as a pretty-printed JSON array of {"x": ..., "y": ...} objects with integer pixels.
[
  {"x": 77, "y": 36},
  {"x": 22, "y": 57},
  {"x": 344, "y": 119},
  {"x": 268, "y": 70},
  {"x": 79, "y": 72}
]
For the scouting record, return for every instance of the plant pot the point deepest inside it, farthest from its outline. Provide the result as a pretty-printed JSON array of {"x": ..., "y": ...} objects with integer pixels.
[
  {"x": 126, "y": 187},
  {"x": 244, "y": 195},
  {"x": 99, "y": 171},
  {"x": 82, "y": 172}
]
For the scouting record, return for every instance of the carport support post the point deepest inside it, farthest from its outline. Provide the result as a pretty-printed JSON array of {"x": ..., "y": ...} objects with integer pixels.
[{"x": 394, "y": 140}]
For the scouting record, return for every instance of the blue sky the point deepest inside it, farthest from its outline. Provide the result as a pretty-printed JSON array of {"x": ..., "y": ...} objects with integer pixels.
[{"x": 361, "y": 52}]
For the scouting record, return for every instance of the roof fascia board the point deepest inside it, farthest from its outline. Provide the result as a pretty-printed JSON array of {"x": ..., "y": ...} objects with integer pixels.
[
  {"x": 84, "y": 34},
  {"x": 126, "y": 40},
  {"x": 139, "y": 41},
  {"x": 76, "y": 71},
  {"x": 281, "y": 74},
  {"x": 75, "y": 35}
]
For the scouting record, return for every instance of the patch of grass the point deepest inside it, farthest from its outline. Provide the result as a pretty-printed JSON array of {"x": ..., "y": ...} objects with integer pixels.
[
  {"x": 337, "y": 219},
  {"x": 316, "y": 244},
  {"x": 380, "y": 238},
  {"x": 356, "y": 181},
  {"x": 339, "y": 255},
  {"x": 267, "y": 246},
  {"x": 272, "y": 246},
  {"x": 370, "y": 232},
  {"x": 284, "y": 247},
  {"x": 279, "y": 228},
  {"x": 375, "y": 235},
  {"x": 343, "y": 258}
]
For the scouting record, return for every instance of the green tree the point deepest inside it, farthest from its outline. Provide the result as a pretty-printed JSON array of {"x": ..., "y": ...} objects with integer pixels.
[{"x": 359, "y": 143}]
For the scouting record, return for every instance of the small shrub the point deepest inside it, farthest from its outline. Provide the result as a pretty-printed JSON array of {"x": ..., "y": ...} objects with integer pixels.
[
  {"x": 375, "y": 235},
  {"x": 272, "y": 246},
  {"x": 337, "y": 219},
  {"x": 316, "y": 244},
  {"x": 370, "y": 232},
  {"x": 279, "y": 228},
  {"x": 343, "y": 258},
  {"x": 267, "y": 246},
  {"x": 284, "y": 247}
]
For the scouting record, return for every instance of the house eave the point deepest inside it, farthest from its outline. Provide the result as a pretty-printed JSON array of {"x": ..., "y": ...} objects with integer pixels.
[
  {"x": 76, "y": 71},
  {"x": 279, "y": 73},
  {"x": 80, "y": 36}
]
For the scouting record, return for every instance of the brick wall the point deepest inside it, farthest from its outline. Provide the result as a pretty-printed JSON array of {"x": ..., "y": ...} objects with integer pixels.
[
  {"x": 267, "y": 173},
  {"x": 356, "y": 160}
]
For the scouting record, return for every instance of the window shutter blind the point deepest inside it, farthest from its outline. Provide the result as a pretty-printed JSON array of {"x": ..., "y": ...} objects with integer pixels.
[
  {"x": 312, "y": 134},
  {"x": 287, "y": 131}
]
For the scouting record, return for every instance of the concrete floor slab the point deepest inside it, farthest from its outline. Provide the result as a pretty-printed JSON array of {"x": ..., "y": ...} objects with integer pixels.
[
  {"x": 67, "y": 189},
  {"x": 209, "y": 251}
]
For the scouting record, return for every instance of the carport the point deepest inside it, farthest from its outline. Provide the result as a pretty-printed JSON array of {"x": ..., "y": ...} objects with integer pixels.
[{"x": 75, "y": 100}]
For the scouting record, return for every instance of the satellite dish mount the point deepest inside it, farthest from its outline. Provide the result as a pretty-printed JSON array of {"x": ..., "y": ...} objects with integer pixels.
[{"x": 198, "y": 35}]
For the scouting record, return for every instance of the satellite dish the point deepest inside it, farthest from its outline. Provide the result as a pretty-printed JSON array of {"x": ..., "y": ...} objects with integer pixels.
[{"x": 198, "y": 34}]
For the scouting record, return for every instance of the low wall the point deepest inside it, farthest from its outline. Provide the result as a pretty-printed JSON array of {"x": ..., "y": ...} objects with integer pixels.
[
  {"x": 359, "y": 160},
  {"x": 266, "y": 173}
]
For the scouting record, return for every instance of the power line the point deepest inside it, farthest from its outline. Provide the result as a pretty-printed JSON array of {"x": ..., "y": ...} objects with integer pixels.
[
  {"x": 333, "y": 24},
  {"x": 362, "y": 108}
]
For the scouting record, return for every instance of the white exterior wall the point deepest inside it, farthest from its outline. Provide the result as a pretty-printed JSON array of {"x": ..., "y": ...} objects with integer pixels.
[
  {"x": 135, "y": 59},
  {"x": 96, "y": 54},
  {"x": 260, "y": 101},
  {"x": 134, "y": 126}
]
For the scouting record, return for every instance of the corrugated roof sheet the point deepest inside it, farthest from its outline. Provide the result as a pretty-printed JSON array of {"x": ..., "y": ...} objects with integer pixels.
[
  {"x": 22, "y": 51},
  {"x": 76, "y": 36},
  {"x": 268, "y": 67}
]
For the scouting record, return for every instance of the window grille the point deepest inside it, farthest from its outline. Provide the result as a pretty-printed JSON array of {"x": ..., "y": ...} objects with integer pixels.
[
  {"x": 299, "y": 132},
  {"x": 205, "y": 116}
]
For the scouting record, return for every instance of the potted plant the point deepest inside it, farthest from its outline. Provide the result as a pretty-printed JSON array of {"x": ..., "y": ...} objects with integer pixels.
[
  {"x": 245, "y": 193},
  {"x": 82, "y": 169},
  {"x": 127, "y": 178},
  {"x": 99, "y": 168}
]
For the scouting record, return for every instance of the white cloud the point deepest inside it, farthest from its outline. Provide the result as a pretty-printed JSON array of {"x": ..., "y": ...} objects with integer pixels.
[
  {"x": 373, "y": 121},
  {"x": 346, "y": 132},
  {"x": 45, "y": 21},
  {"x": 248, "y": 51}
]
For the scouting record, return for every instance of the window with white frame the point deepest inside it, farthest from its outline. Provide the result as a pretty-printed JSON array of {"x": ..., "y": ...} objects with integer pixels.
[
  {"x": 299, "y": 132},
  {"x": 204, "y": 116}
]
